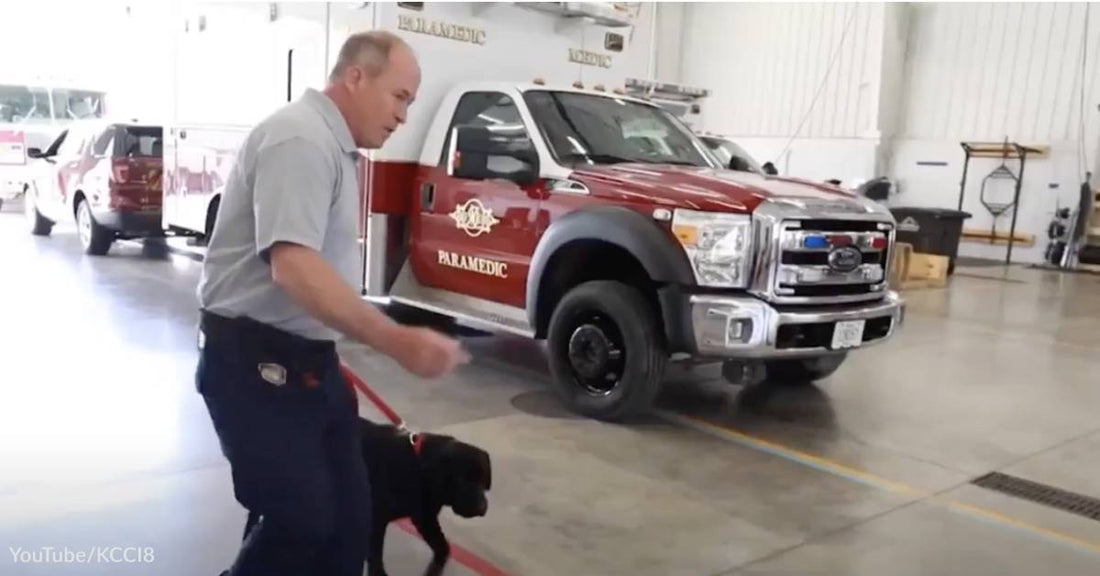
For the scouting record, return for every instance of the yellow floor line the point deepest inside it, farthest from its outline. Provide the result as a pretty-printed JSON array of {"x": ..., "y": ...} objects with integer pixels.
[
  {"x": 867, "y": 478},
  {"x": 997, "y": 517},
  {"x": 817, "y": 462}
]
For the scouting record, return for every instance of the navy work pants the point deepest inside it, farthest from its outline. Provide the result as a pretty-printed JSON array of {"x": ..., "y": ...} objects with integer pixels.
[{"x": 288, "y": 425}]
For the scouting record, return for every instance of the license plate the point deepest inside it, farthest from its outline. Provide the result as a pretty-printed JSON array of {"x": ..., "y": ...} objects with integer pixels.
[{"x": 848, "y": 334}]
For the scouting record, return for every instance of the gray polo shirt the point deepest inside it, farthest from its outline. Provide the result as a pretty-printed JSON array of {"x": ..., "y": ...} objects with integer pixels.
[{"x": 295, "y": 180}]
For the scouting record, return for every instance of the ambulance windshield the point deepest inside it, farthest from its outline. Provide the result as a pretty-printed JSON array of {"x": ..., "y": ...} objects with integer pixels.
[
  {"x": 24, "y": 105},
  {"x": 20, "y": 104},
  {"x": 593, "y": 129}
]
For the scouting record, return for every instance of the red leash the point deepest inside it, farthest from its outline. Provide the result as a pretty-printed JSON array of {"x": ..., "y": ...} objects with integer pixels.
[{"x": 357, "y": 383}]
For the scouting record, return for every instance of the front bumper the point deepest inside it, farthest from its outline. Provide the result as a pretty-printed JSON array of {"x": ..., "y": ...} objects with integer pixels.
[{"x": 732, "y": 327}]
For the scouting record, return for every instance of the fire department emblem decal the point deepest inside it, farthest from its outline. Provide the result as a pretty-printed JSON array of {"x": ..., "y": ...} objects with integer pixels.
[{"x": 474, "y": 218}]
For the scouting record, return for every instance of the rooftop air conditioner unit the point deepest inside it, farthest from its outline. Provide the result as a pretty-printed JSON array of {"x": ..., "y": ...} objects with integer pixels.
[{"x": 611, "y": 14}]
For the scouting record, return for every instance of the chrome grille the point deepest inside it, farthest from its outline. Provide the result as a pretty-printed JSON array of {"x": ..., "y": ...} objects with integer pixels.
[{"x": 830, "y": 261}]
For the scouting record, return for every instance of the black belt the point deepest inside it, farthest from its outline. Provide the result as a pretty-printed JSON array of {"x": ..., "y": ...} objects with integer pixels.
[{"x": 266, "y": 343}]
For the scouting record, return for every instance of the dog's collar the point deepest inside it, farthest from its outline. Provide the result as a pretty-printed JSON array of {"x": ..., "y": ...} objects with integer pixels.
[{"x": 416, "y": 439}]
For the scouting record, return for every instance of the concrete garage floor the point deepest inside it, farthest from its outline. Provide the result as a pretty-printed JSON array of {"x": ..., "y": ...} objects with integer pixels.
[{"x": 106, "y": 443}]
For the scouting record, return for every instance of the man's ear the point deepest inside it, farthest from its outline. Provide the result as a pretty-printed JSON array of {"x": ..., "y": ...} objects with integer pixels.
[{"x": 350, "y": 77}]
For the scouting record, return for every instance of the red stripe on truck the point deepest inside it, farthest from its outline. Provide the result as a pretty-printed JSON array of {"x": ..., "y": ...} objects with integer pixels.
[{"x": 388, "y": 185}]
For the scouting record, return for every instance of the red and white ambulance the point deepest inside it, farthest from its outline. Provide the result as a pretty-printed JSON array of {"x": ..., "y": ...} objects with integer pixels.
[{"x": 529, "y": 194}]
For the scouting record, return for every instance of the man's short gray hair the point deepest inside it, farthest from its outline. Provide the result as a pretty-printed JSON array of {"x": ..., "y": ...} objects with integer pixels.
[{"x": 368, "y": 49}]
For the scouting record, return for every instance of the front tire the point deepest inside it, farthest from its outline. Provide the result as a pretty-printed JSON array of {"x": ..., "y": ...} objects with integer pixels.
[
  {"x": 803, "y": 371},
  {"x": 607, "y": 353},
  {"x": 39, "y": 224},
  {"x": 95, "y": 239}
]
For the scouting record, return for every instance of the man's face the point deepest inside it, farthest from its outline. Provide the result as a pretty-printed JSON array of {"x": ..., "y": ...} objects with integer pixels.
[{"x": 381, "y": 103}]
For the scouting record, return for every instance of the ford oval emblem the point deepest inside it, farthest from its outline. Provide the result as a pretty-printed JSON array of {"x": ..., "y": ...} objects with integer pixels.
[{"x": 845, "y": 259}]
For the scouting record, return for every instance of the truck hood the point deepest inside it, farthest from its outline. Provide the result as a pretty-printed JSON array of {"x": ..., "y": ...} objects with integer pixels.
[{"x": 707, "y": 189}]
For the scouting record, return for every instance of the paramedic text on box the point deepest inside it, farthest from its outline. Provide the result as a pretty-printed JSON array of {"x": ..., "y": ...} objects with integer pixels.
[{"x": 86, "y": 555}]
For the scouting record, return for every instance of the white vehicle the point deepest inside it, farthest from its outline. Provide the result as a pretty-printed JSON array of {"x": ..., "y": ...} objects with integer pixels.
[
  {"x": 528, "y": 194},
  {"x": 207, "y": 122},
  {"x": 32, "y": 115},
  {"x": 731, "y": 154}
]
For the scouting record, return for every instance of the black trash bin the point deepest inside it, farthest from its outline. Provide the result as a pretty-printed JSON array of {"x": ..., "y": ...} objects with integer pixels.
[{"x": 931, "y": 230}]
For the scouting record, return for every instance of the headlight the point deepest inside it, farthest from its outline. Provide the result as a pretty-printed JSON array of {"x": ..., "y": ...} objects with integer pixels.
[{"x": 718, "y": 245}]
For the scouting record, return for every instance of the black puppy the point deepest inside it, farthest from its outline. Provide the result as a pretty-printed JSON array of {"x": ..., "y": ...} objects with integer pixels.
[{"x": 414, "y": 476}]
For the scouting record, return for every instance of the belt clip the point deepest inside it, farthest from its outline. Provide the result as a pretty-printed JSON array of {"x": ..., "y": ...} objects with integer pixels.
[{"x": 272, "y": 373}]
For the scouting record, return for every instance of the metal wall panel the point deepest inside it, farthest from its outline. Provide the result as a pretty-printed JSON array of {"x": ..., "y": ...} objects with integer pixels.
[
  {"x": 987, "y": 71},
  {"x": 765, "y": 64}
]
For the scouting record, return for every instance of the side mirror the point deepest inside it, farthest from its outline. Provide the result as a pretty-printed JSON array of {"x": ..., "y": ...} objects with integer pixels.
[
  {"x": 34, "y": 153},
  {"x": 739, "y": 164},
  {"x": 482, "y": 153}
]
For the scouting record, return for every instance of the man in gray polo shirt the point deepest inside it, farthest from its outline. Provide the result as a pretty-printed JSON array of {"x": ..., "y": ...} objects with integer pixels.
[{"x": 276, "y": 291}]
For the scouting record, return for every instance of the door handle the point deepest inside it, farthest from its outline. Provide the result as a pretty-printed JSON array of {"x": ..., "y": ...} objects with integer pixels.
[{"x": 427, "y": 196}]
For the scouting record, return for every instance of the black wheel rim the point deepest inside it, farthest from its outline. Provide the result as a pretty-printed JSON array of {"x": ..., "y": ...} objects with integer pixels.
[{"x": 596, "y": 354}]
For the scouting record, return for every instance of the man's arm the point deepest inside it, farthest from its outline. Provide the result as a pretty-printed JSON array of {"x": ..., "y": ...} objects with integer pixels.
[{"x": 315, "y": 286}]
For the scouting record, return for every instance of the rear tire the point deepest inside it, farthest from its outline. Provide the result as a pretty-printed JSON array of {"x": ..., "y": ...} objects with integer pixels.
[
  {"x": 39, "y": 224},
  {"x": 802, "y": 371},
  {"x": 607, "y": 352},
  {"x": 95, "y": 239}
]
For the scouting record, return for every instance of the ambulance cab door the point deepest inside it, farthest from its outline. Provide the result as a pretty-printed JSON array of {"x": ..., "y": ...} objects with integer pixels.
[{"x": 475, "y": 235}]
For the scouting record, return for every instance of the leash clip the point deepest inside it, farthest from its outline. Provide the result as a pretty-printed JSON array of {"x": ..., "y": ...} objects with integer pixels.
[{"x": 416, "y": 439}]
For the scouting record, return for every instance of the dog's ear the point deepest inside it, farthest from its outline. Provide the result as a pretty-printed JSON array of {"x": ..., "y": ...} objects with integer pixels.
[
  {"x": 486, "y": 468},
  {"x": 440, "y": 458}
]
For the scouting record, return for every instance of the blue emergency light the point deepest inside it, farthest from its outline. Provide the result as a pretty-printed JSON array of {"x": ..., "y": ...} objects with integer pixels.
[{"x": 815, "y": 242}]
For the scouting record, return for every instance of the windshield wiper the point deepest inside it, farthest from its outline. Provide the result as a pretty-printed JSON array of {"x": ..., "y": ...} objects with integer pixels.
[
  {"x": 676, "y": 162},
  {"x": 600, "y": 158}
]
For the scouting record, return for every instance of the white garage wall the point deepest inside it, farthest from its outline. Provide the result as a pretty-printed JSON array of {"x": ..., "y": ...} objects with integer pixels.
[
  {"x": 76, "y": 45},
  {"x": 653, "y": 52},
  {"x": 765, "y": 64},
  {"x": 910, "y": 82},
  {"x": 669, "y": 39},
  {"x": 987, "y": 72}
]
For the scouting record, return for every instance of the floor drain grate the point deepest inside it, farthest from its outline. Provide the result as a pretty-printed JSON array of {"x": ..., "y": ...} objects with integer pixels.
[{"x": 1065, "y": 500}]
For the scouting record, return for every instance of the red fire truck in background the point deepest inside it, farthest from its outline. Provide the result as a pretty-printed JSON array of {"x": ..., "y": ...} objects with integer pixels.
[{"x": 529, "y": 194}]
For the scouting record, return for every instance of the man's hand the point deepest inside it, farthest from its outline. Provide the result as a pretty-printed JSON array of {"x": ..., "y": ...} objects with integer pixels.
[
  {"x": 315, "y": 286},
  {"x": 428, "y": 353}
]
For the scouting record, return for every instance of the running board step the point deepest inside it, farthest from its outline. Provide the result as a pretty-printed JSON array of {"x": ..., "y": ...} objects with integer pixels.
[{"x": 479, "y": 312}]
